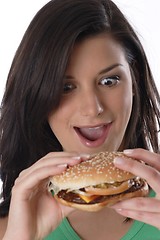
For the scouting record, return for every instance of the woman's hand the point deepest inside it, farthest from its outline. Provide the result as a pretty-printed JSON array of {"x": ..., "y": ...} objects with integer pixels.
[
  {"x": 33, "y": 211},
  {"x": 143, "y": 209}
]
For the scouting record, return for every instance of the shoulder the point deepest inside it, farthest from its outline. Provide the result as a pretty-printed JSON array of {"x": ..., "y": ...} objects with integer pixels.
[{"x": 3, "y": 224}]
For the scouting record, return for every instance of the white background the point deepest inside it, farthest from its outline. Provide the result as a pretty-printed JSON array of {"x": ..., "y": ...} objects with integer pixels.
[{"x": 144, "y": 15}]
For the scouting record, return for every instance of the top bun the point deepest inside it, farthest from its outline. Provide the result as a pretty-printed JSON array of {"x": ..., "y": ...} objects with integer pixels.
[{"x": 96, "y": 170}]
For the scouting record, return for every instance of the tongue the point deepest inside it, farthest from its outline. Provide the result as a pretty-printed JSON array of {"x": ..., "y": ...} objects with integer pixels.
[{"x": 92, "y": 134}]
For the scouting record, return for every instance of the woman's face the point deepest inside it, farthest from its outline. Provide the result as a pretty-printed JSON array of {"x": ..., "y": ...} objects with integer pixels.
[{"x": 97, "y": 98}]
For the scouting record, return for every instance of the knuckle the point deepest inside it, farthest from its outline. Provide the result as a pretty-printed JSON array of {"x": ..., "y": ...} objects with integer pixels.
[
  {"x": 139, "y": 151},
  {"x": 140, "y": 203},
  {"x": 141, "y": 215},
  {"x": 157, "y": 157},
  {"x": 154, "y": 174},
  {"x": 20, "y": 176},
  {"x": 130, "y": 163},
  {"x": 16, "y": 182},
  {"x": 50, "y": 154},
  {"x": 22, "y": 173},
  {"x": 15, "y": 187}
]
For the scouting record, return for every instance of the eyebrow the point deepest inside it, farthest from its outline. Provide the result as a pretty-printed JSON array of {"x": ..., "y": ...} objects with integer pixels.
[{"x": 105, "y": 70}]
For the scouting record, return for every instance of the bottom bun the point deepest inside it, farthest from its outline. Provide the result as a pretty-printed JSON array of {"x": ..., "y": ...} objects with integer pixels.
[{"x": 108, "y": 202}]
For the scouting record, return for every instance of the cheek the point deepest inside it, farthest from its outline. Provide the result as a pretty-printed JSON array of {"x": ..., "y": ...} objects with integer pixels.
[
  {"x": 128, "y": 97},
  {"x": 58, "y": 116},
  {"x": 57, "y": 126},
  {"x": 54, "y": 121},
  {"x": 123, "y": 103},
  {"x": 59, "y": 120},
  {"x": 126, "y": 105},
  {"x": 60, "y": 125}
]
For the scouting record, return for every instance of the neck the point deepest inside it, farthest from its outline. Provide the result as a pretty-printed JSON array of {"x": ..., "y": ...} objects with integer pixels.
[{"x": 95, "y": 225}]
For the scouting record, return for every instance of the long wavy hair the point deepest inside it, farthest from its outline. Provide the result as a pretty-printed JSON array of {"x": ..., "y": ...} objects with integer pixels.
[{"x": 36, "y": 78}]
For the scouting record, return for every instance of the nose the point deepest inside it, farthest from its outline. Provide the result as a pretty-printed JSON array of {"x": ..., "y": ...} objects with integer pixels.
[{"x": 91, "y": 104}]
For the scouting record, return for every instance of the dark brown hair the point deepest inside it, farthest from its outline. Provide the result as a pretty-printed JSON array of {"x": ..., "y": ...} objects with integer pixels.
[{"x": 35, "y": 83}]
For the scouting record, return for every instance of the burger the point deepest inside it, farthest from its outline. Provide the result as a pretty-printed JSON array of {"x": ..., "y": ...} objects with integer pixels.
[{"x": 95, "y": 183}]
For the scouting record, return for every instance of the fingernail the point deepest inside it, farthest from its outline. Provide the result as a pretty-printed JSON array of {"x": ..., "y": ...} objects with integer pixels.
[
  {"x": 119, "y": 209},
  {"x": 85, "y": 156},
  {"x": 62, "y": 165},
  {"x": 76, "y": 158},
  {"x": 118, "y": 161},
  {"x": 128, "y": 151}
]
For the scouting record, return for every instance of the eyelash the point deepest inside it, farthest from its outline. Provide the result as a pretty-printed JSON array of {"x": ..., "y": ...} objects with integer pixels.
[
  {"x": 68, "y": 87},
  {"x": 112, "y": 80}
]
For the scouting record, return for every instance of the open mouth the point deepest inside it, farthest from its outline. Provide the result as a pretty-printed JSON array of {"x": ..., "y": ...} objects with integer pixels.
[
  {"x": 93, "y": 136},
  {"x": 92, "y": 133}
]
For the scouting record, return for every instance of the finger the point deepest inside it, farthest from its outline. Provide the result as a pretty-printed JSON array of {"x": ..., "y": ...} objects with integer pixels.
[
  {"x": 153, "y": 159},
  {"x": 53, "y": 160},
  {"x": 56, "y": 158},
  {"x": 146, "y": 217},
  {"x": 151, "y": 175},
  {"x": 65, "y": 154},
  {"x": 139, "y": 203},
  {"x": 60, "y": 158},
  {"x": 25, "y": 186}
]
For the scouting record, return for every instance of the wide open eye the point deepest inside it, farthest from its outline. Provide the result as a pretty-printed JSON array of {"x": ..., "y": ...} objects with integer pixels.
[{"x": 110, "y": 81}]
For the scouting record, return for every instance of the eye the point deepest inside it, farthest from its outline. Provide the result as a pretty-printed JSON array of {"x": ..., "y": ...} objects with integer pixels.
[
  {"x": 110, "y": 81},
  {"x": 68, "y": 87}
]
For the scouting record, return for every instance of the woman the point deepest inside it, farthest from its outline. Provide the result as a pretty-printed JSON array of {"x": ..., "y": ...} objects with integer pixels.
[{"x": 79, "y": 84}]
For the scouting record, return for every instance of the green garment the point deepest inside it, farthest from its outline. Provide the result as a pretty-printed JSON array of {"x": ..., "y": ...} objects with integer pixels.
[{"x": 138, "y": 231}]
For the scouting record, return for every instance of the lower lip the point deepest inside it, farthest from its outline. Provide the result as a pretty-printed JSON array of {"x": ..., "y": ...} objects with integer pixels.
[{"x": 96, "y": 143}]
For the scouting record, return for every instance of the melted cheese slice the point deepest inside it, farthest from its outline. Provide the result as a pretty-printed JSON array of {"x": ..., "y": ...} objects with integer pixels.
[{"x": 88, "y": 199}]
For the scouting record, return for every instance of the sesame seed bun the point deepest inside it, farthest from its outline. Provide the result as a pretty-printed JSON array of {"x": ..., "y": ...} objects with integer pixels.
[
  {"x": 95, "y": 183},
  {"x": 99, "y": 169}
]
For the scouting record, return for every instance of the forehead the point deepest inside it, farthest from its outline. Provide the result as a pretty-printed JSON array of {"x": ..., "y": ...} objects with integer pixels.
[{"x": 97, "y": 51}]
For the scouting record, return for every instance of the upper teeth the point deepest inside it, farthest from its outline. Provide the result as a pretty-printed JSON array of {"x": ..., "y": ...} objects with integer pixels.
[{"x": 95, "y": 128}]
